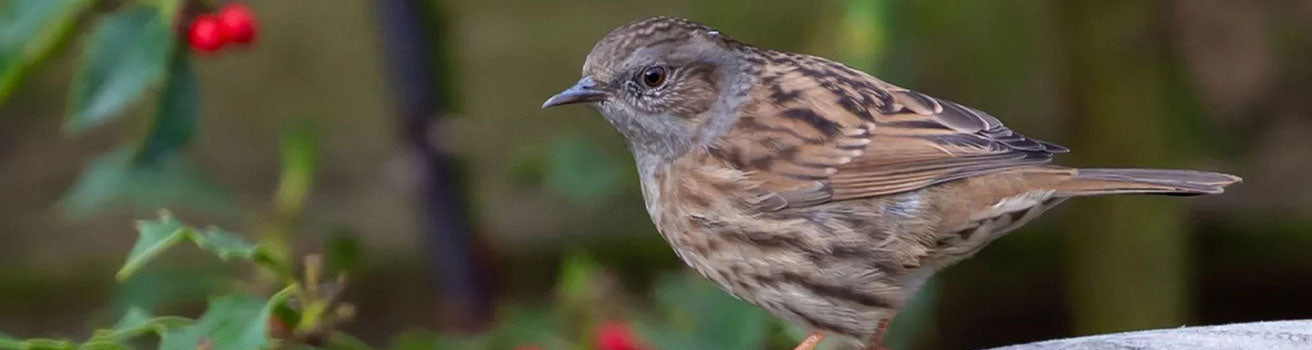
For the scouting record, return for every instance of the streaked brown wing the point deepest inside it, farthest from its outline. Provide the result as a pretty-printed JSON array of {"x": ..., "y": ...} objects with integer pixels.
[
  {"x": 837, "y": 133},
  {"x": 920, "y": 141}
]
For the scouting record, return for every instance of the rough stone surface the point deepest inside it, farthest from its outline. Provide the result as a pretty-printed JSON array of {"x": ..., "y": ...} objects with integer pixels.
[{"x": 1274, "y": 335}]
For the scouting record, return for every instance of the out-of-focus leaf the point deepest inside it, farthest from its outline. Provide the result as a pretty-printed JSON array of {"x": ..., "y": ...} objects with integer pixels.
[
  {"x": 697, "y": 315},
  {"x": 863, "y": 35},
  {"x": 135, "y": 323},
  {"x": 343, "y": 341},
  {"x": 156, "y": 288},
  {"x": 522, "y": 325},
  {"x": 155, "y": 236},
  {"x": 168, "y": 9},
  {"x": 580, "y": 171},
  {"x": 299, "y": 157},
  {"x": 126, "y": 54},
  {"x": 29, "y": 31},
  {"x": 343, "y": 252},
  {"x": 36, "y": 344},
  {"x": 232, "y": 322},
  {"x": 226, "y": 245},
  {"x": 8, "y": 342},
  {"x": 115, "y": 178},
  {"x": 134, "y": 318},
  {"x": 422, "y": 339},
  {"x": 577, "y": 274},
  {"x": 175, "y": 116},
  {"x": 102, "y": 345}
]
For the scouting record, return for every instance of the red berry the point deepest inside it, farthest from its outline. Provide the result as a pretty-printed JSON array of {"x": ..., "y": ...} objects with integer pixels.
[
  {"x": 205, "y": 35},
  {"x": 617, "y": 336},
  {"x": 238, "y": 22}
]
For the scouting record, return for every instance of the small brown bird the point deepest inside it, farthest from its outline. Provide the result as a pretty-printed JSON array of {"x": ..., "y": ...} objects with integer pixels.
[{"x": 814, "y": 190}]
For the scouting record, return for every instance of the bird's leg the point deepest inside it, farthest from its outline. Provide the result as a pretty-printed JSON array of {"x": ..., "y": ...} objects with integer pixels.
[
  {"x": 877, "y": 340},
  {"x": 811, "y": 341}
]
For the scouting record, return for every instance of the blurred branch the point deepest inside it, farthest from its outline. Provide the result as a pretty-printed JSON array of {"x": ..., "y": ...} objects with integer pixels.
[{"x": 413, "y": 41}]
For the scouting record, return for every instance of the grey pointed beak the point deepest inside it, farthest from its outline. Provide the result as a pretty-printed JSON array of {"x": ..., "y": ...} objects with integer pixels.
[{"x": 583, "y": 91}]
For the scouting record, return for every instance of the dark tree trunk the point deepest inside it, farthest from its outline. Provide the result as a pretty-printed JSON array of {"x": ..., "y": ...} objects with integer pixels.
[{"x": 412, "y": 37}]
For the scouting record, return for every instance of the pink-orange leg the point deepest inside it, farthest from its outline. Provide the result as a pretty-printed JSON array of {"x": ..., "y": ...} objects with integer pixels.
[
  {"x": 877, "y": 340},
  {"x": 811, "y": 341}
]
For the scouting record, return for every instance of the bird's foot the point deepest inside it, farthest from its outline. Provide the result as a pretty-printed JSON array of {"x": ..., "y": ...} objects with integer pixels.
[
  {"x": 811, "y": 341},
  {"x": 877, "y": 340}
]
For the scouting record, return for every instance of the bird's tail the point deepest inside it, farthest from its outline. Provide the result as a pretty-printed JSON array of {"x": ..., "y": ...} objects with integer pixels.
[{"x": 1090, "y": 182}]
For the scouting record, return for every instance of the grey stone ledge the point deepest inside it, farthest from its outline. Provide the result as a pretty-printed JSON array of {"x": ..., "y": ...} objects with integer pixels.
[{"x": 1272, "y": 335}]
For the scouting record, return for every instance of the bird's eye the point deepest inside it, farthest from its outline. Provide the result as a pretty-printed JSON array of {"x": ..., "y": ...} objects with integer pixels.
[{"x": 653, "y": 76}]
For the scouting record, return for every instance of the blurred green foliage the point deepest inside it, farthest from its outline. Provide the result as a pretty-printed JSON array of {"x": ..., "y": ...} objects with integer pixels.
[
  {"x": 1028, "y": 63},
  {"x": 233, "y": 321},
  {"x": 580, "y": 172},
  {"x": 692, "y": 314},
  {"x": 156, "y": 236},
  {"x": 124, "y": 55},
  {"x": 118, "y": 178},
  {"x": 683, "y": 312},
  {"x": 29, "y": 31}
]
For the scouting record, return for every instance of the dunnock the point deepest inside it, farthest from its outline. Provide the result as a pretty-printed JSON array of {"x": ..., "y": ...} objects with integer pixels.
[{"x": 815, "y": 190}]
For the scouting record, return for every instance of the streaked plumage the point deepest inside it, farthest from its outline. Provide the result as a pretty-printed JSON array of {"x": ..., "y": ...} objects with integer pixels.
[{"x": 815, "y": 190}]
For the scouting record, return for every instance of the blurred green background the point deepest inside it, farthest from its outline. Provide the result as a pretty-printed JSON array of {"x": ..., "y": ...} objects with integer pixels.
[{"x": 1214, "y": 85}]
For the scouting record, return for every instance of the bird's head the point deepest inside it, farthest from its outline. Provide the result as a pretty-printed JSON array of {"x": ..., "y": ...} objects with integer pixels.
[{"x": 657, "y": 80}]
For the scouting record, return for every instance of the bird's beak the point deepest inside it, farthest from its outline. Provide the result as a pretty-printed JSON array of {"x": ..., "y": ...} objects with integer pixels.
[{"x": 583, "y": 91}]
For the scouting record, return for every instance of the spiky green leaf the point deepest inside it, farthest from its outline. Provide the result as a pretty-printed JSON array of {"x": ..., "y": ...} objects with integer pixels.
[
  {"x": 153, "y": 237},
  {"x": 226, "y": 245},
  {"x": 232, "y": 322}
]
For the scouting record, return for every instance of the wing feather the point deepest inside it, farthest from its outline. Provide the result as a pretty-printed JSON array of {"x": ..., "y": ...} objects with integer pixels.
[{"x": 835, "y": 133}]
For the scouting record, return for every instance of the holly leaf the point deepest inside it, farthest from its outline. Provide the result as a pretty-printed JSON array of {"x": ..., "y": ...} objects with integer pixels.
[
  {"x": 126, "y": 54},
  {"x": 232, "y": 322},
  {"x": 29, "y": 31},
  {"x": 226, "y": 245},
  {"x": 166, "y": 285},
  {"x": 175, "y": 116},
  {"x": 133, "y": 319},
  {"x": 153, "y": 237},
  {"x": 135, "y": 323}
]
